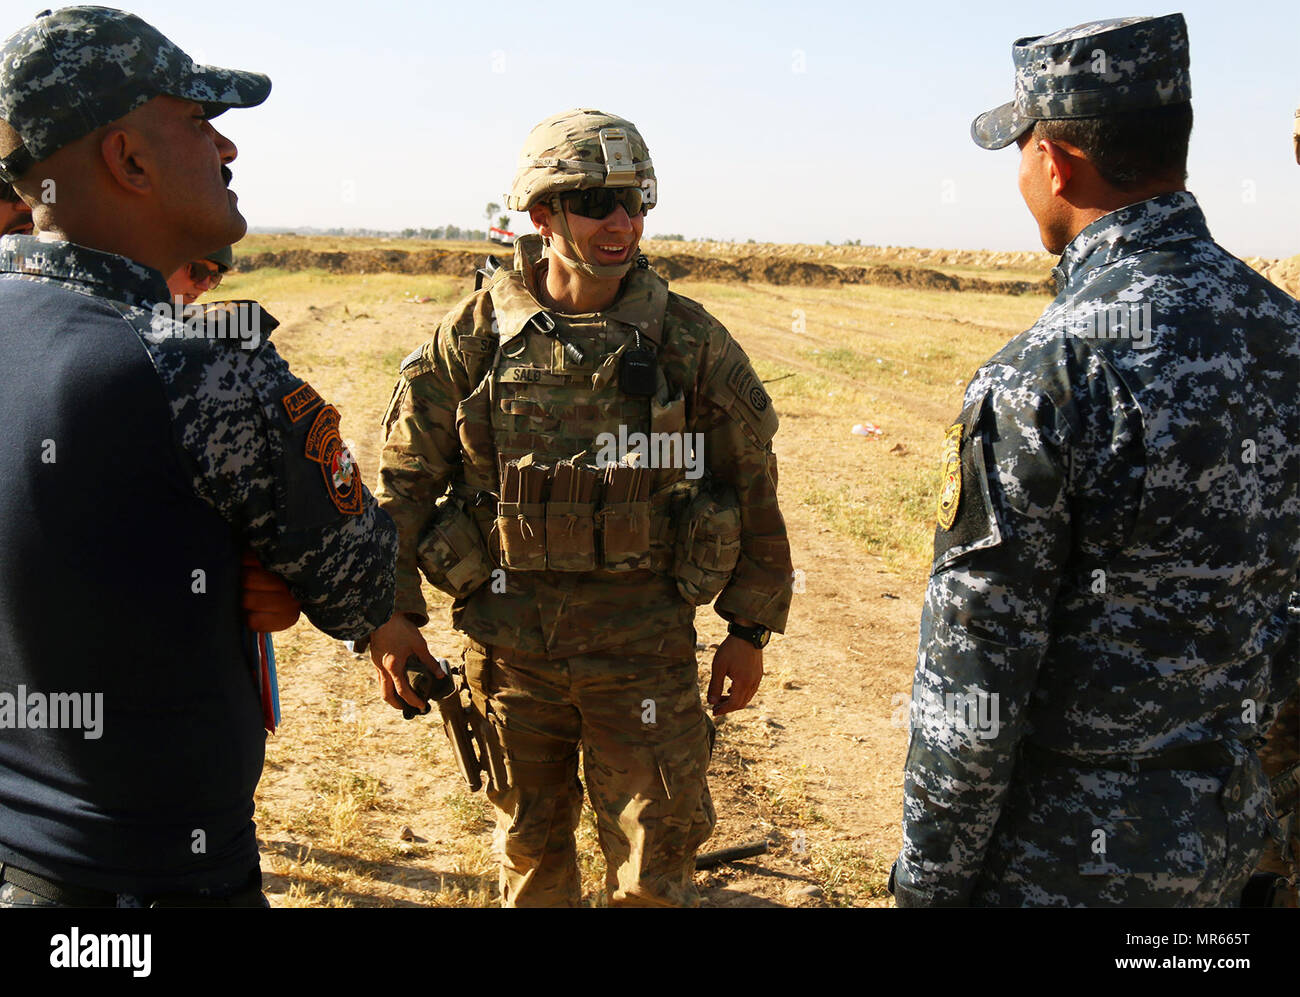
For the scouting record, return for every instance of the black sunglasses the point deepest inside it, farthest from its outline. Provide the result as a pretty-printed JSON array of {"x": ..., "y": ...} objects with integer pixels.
[
  {"x": 7, "y": 192},
  {"x": 200, "y": 274},
  {"x": 600, "y": 202}
]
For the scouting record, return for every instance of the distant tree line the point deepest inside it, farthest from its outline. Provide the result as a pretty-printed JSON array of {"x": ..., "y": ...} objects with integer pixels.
[{"x": 443, "y": 232}]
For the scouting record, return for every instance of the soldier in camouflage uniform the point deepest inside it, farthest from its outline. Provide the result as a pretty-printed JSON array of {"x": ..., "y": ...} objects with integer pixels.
[
  {"x": 142, "y": 457},
  {"x": 193, "y": 279},
  {"x": 1280, "y": 756},
  {"x": 1104, "y": 632},
  {"x": 578, "y": 608}
]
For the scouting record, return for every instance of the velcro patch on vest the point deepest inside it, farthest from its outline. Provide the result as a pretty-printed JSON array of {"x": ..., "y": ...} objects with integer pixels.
[
  {"x": 300, "y": 401},
  {"x": 325, "y": 447},
  {"x": 541, "y": 375}
]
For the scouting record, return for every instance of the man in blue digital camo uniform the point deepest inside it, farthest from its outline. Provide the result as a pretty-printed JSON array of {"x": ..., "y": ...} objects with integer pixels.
[
  {"x": 1105, "y": 632},
  {"x": 141, "y": 458},
  {"x": 1275, "y": 883}
]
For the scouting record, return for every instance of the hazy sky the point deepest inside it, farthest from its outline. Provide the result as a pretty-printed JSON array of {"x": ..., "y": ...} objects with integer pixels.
[{"x": 790, "y": 122}]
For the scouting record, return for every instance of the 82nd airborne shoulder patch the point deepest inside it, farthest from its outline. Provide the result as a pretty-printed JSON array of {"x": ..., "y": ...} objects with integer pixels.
[
  {"x": 325, "y": 447},
  {"x": 950, "y": 476}
]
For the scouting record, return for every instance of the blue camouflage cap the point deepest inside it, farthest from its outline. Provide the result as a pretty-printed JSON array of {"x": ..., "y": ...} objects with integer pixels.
[
  {"x": 79, "y": 68},
  {"x": 1092, "y": 69}
]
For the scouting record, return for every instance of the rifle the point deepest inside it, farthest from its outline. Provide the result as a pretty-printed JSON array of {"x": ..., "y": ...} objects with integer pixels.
[{"x": 476, "y": 747}]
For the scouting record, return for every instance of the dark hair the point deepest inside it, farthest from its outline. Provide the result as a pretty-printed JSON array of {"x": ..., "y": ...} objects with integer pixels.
[{"x": 1130, "y": 149}]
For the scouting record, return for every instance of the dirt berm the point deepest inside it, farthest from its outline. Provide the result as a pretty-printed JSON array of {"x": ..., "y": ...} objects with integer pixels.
[{"x": 757, "y": 269}]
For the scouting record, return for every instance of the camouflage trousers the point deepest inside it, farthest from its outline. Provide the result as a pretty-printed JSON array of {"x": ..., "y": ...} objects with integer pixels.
[
  {"x": 1106, "y": 838},
  {"x": 635, "y": 713},
  {"x": 1281, "y": 751}
]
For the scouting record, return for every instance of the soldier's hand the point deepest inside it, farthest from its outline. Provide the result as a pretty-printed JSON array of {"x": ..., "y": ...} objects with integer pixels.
[
  {"x": 268, "y": 604},
  {"x": 390, "y": 646},
  {"x": 742, "y": 662}
]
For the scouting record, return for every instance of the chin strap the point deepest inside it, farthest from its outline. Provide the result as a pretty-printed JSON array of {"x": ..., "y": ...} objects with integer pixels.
[{"x": 591, "y": 269}]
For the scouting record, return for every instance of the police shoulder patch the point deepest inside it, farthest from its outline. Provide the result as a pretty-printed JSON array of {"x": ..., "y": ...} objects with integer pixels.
[
  {"x": 325, "y": 447},
  {"x": 963, "y": 508},
  {"x": 300, "y": 401},
  {"x": 950, "y": 477}
]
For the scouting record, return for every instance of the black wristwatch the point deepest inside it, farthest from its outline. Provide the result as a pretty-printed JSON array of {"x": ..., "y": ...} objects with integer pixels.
[{"x": 757, "y": 635}]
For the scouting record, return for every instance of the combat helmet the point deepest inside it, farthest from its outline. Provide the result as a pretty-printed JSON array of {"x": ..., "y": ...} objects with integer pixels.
[
  {"x": 223, "y": 257},
  {"x": 579, "y": 150}
]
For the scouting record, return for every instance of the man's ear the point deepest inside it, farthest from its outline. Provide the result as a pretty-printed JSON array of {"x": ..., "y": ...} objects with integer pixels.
[
  {"x": 541, "y": 218},
  {"x": 127, "y": 158},
  {"x": 1060, "y": 167}
]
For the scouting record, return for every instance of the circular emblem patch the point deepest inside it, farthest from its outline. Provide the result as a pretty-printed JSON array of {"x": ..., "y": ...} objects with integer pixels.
[
  {"x": 325, "y": 447},
  {"x": 950, "y": 477}
]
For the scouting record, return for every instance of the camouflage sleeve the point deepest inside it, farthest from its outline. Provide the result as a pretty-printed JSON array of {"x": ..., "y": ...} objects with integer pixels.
[
  {"x": 1019, "y": 470},
  {"x": 421, "y": 448},
  {"x": 738, "y": 421},
  {"x": 265, "y": 452}
]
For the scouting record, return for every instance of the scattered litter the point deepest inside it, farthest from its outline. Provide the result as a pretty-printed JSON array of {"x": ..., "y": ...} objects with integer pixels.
[
  {"x": 888, "y": 595},
  {"x": 420, "y": 299},
  {"x": 899, "y": 449},
  {"x": 867, "y": 429}
]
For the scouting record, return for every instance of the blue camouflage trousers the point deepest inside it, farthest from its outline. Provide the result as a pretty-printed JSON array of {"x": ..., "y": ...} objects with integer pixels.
[{"x": 1108, "y": 838}]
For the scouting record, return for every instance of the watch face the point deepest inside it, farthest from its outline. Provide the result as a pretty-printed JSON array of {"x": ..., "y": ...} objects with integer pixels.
[{"x": 756, "y": 635}]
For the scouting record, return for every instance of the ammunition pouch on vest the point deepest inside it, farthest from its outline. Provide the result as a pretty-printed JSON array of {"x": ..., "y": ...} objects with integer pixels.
[
  {"x": 708, "y": 545},
  {"x": 451, "y": 552}
]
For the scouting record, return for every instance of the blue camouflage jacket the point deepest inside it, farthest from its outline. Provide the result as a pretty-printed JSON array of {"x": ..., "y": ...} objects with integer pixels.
[{"x": 1119, "y": 533}]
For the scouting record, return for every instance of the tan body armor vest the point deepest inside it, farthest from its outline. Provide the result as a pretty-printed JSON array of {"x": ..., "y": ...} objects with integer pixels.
[
  {"x": 551, "y": 394},
  {"x": 544, "y": 485}
]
